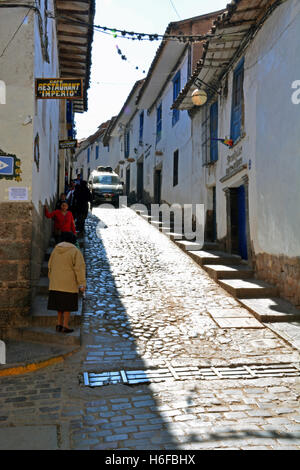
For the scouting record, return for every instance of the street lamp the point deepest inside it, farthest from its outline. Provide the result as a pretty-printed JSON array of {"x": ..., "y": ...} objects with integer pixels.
[{"x": 199, "y": 97}]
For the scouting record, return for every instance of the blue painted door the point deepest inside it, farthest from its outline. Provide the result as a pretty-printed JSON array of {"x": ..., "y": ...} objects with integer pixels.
[{"x": 242, "y": 231}]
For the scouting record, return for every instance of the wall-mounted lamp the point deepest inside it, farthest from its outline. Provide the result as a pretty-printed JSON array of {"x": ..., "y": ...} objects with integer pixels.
[
  {"x": 198, "y": 83},
  {"x": 199, "y": 97}
]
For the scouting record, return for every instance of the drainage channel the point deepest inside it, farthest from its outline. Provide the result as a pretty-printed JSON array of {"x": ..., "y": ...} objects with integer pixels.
[{"x": 135, "y": 377}]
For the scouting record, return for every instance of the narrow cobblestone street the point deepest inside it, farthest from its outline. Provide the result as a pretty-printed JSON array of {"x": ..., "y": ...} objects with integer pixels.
[{"x": 148, "y": 306}]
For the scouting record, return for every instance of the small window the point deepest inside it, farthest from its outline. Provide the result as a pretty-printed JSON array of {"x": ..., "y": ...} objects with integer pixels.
[
  {"x": 141, "y": 129},
  {"x": 97, "y": 152},
  {"x": 176, "y": 91},
  {"x": 214, "y": 132},
  {"x": 126, "y": 144},
  {"x": 158, "y": 122},
  {"x": 237, "y": 102},
  {"x": 88, "y": 155},
  {"x": 175, "y": 167}
]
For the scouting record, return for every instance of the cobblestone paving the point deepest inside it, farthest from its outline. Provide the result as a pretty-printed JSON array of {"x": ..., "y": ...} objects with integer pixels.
[{"x": 146, "y": 306}]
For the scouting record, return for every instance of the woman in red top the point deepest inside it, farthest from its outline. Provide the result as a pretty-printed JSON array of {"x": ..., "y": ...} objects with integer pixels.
[{"x": 63, "y": 220}]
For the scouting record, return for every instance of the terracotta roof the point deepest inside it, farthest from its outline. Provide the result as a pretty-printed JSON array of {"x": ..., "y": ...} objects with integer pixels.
[{"x": 84, "y": 143}]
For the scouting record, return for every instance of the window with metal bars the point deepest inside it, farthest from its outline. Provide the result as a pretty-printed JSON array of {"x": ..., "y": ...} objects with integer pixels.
[
  {"x": 158, "y": 122},
  {"x": 126, "y": 144},
  {"x": 175, "y": 167},
  {"x": 237, "y": 102},
  {"x": 205, "y": 135},
  {"x": 176, "y": 91}
]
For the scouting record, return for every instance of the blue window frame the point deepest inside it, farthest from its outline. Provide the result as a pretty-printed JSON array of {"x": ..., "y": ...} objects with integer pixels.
[
  {"x": 141, "y": 130},
  {"x": 176, "y": 91},
  {"x": 214, "y": 112},
  {"x": 97, "y": 152},
  {"x": 175, "y": 167},
  {"x": 126, "y": 144},
  {"x": 158, "y": 122},
  {"x": 88, "y": 155},
  {"x": 237, "y": 102}
]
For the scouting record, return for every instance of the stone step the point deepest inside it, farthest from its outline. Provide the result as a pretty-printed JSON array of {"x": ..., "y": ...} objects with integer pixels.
[
  {"x": 41, "y": 316},
  {"x": 155, "y": 223},
  {"x": 211, "y": 246},
  {"x": 186, "y": 245},
  {"x": 43, "y": 285},
  {"x": 45, "y": 335},
  {"x": 222, "y": 271},
  {"x": 242, "y": 289},
  {"x": 203, "y": 257},
  {"x": 164, "y": 229},
  {"x": 271, "y": 309}
]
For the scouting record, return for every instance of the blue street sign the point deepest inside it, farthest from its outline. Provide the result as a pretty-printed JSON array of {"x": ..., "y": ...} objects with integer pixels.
[{"x": 6, "y": 165}]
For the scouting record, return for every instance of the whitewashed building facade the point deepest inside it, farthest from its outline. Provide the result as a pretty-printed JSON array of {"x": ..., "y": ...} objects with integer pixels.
[
  {"x": 252, "y": 189},
  {"x": 34, "y": 43}
]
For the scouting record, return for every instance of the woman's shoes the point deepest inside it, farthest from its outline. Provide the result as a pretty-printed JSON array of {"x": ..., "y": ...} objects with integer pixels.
[
  {"x": 63, "y": 329},
  {"x": 67, "y": 330}
]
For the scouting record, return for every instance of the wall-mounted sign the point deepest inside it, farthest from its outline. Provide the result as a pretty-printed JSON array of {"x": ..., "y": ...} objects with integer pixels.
[
  {"x": 18, "y": 194},
  {"x": 59, "y": 88},
  {"x": 68, "y": 144},
  {"x": 10, "y": 166}
]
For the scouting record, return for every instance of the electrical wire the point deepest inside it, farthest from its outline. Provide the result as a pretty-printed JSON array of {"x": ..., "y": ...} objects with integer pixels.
[
  {"x": 14, "y": 35},
  {"x": 139, "y": 36},
  {"x": 174, "y": 8}
]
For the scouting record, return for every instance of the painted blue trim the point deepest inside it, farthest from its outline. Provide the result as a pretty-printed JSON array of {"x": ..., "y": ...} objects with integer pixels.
[
  {"x": 214, "y": 116},
  {"x": 237, "y": 101},
  {"x": 176, "y": 91}
]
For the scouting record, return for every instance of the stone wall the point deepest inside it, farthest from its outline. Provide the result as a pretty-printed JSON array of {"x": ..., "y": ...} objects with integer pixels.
[
  {"x": 24, "y": 235},
  {"x": 282, "y": 271}
]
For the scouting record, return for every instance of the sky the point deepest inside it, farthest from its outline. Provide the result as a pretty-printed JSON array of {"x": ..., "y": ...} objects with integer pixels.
[{"x": 113, "y": 78}]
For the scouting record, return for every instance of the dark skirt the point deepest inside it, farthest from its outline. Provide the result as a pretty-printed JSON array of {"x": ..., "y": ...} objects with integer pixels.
[{"x": 62, "y": 301}]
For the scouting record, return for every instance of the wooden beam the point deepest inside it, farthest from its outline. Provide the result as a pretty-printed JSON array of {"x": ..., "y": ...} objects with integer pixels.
[
  {"x": 217, "y": 60},
  {"x": 221, "y": 49},
  {"x": 72, "y": 59},
  {"x": 62, "y": 2},
  {"x": 71, "y": 43},
  {"x": 71, "y": 34},
  {"x": 69, "y": 52},
  {"x": 69, "y": 11},
  {"x": 234, "y": 24},
  {"x": 73, "y": 63}
]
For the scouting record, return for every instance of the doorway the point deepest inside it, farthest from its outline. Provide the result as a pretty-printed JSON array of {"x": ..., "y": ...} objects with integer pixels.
[
  {"x": 238, "y": 222},
  {"x": 140, "y": 181},
  {"x": 127, "y": 181},
  {"x": 157, "y": 186}
]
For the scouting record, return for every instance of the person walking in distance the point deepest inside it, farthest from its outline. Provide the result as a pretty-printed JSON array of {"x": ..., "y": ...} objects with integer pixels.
[
  {"x": 82, "y": 198},
  {"x": 66, "y": 272},
  {"x": 63, "y": 220},
  {"x": 70, "y": 198}
]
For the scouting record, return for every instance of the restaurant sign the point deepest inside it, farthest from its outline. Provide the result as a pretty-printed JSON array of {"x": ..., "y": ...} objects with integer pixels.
[
  {"x": 68, "y": 144},
  {"x": 59, "y": 88}
]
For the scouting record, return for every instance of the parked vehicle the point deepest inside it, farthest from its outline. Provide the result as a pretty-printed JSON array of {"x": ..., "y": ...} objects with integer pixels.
[{"x": 105, "y": 186}]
